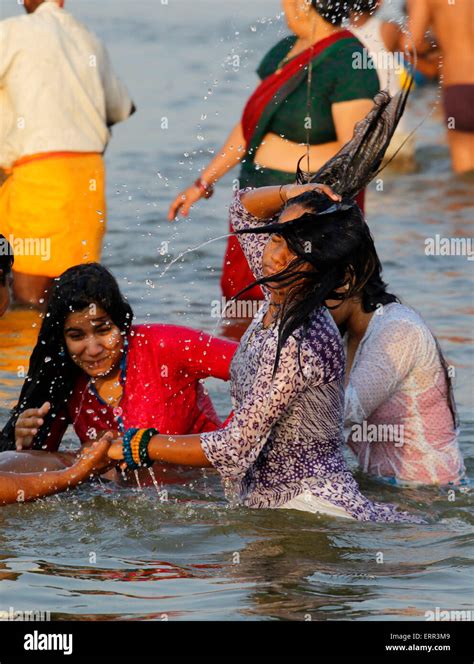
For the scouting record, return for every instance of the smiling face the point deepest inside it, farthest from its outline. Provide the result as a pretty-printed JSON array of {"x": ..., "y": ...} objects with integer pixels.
[{"x": 93, "y": 341}]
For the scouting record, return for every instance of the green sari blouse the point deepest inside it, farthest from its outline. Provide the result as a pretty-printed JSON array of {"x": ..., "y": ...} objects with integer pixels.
[{"x": 334, "y": 80}]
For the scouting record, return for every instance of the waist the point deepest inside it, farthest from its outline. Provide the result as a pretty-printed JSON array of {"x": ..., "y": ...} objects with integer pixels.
[
  {"x": 52, "y": 155},
  {"x": 281, "y": 154}
]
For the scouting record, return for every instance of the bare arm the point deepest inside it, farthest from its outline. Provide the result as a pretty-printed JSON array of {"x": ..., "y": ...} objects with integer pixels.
[
  {"x": 228, "y": 156},
  {"x": 22, "y": 487},
  {"x": 265, "y": 202},
  {"x": 419, "y": 19},
  {"x": 346, "y": 114},
  {"x": 181, "y": 450},
  {"x": 391, "y": 36}
]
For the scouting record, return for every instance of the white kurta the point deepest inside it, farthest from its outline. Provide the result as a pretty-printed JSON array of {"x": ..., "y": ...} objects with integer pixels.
[{"x": 58, "y": 91}]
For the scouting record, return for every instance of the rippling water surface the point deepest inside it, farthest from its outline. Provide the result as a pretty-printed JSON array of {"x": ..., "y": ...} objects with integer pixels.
[{"x": 105, "y": 553}]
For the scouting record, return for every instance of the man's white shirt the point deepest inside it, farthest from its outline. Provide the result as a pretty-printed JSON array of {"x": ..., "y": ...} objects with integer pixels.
[{"x": 58, "y": 91}]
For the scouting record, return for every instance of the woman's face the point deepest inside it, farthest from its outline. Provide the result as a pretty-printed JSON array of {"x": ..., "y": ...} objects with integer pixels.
[
  {"x": 277, "y": 255},
  {"x": 300, "y": 17},
  {"x": 93, "y": 341}
]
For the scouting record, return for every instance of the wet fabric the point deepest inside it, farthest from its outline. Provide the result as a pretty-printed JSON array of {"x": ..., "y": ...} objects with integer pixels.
[
  {"x": 459, "y": 107},
  {"x": 286, "y": 433},
  {"x": 334, "y": 80},
  {"x": 58, "y": 89},
  {"x": 53, "y": 212},
  {"x": 396, "y": 402},
  {"x": 165, "y": 365}
]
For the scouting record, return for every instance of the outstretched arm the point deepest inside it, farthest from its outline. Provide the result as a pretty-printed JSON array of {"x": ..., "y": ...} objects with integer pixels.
[
  {"x": 228, "y": 156},
  {"x": 22, "y": 487}
]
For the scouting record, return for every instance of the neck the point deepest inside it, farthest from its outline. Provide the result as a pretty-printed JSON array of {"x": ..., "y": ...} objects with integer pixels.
[
  {"x": 357, "y": 323},
  {"x": 110, "y": 377},
  {"x": 322, "y": 29}
]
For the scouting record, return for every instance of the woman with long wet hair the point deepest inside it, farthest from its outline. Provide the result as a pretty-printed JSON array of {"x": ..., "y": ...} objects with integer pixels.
[
  {"x": 283, "y": 445},
  {"x": 94, "y": 369},
  {"x": 399, "y": 404}
]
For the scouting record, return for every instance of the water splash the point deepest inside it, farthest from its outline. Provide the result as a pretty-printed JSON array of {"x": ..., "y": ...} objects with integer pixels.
[
  {"x": 188, "y": 251},
  {"x": 154, "y": 480},
  {"x": 135, "y": 472}
]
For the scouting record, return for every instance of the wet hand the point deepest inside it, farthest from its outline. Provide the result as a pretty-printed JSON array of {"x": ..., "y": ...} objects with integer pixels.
[
  {"x": 183, "y": 202},
  {"x": 28, "y": 424},
  {"x": 116, "y": 451},
  {"x": 93, "y": 459}
]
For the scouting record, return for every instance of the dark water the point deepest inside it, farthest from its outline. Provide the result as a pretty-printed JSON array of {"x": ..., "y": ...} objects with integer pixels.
[{"x": 119, "y": 553}]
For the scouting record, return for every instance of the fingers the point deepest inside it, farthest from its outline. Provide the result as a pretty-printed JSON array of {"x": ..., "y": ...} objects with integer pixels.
[
  {"x": 182, "y": 204},
  {"x": 174, "y": 207},
  {"x": 31, "y": 422},
  {"x": 28, "y": 424},
  {"x": 108, "y": 438},
  {"x": 326, "y": 189},
  {"x": 44, "y": 409}
]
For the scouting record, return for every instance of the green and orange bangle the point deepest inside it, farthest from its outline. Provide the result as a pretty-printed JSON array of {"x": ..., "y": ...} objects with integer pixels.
[{"x": 135, "y": 447}]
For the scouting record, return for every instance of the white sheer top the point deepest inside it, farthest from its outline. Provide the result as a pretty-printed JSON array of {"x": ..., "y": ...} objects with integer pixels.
[{"x": 396, "y": 403}]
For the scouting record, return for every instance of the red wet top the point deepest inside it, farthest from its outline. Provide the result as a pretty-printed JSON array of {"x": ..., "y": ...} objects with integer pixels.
[{"x": 163, "y": 367}]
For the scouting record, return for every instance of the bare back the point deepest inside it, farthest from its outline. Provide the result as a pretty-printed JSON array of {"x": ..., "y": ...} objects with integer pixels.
[{"x": 453, "y": 24}]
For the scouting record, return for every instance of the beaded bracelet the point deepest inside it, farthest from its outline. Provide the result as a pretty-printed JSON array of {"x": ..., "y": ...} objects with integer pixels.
[{"x": 135, "y": 447}]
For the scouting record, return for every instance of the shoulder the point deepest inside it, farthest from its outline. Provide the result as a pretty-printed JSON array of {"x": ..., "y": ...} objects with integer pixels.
[
  {"x": 345, "y": 48},
  {"x": 273, "y": 57},
  {"x": 173, "y": 337},
  {"x": 160, "y": 332},
  {"x": 401, "y": 324},
  {"x": 14, "y": 24}
]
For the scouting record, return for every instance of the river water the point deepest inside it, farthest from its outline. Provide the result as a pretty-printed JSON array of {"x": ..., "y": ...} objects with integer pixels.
[{"x": 107, "y": 553}]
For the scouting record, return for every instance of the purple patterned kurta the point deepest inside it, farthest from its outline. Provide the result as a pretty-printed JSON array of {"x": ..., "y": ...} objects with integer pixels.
[{"x": 286, "y": 434}]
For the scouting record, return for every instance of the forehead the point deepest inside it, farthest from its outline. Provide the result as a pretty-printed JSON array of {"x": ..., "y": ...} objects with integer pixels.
[
  {"x": 87, "y": 316},
  {"x": 291, "y": 212}
]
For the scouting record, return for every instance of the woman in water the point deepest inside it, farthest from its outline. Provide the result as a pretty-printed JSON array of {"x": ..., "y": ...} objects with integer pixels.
[
  {"x": 95, "y": 370},
  {"x": 276, "y": 124},
  {"x": 23, "y": 477},
  {"x": 399, "y": 401},
  {"x": 282, "y": 447}
]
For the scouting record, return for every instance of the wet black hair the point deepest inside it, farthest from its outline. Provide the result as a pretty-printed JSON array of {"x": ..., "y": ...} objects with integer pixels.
[
  {"x": 364, "y": 6},
  {"x": 333, "y": 249},
  {"x": 52, "y": 373},
  {"x": 6, "y": 259},
  {"x": 334, "y": 11},
  {"x": 334, "y": 239}
]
